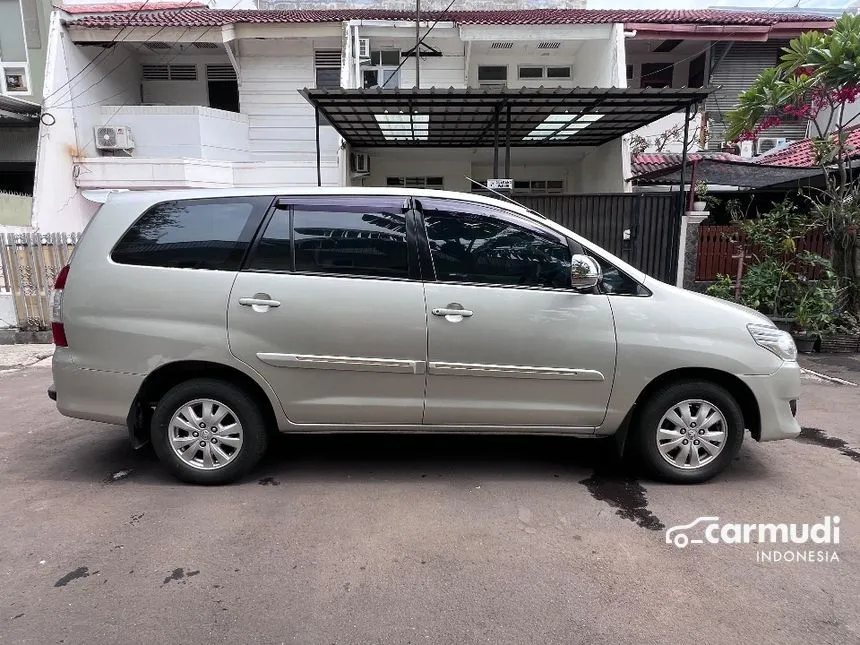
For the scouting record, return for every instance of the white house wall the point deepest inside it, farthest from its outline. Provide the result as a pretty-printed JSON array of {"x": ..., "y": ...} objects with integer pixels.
[
  {"x": 114, "y": 77},
  {"x": 601, "y": 171},
  {"x": 443, "y": 71},
  {"x": 281, "y": 122}
]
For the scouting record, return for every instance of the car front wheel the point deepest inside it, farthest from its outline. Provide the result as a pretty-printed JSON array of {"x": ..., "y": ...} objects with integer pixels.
[
  {"x": 689, "y": 432},
  {"x": 207, "y": 431}
]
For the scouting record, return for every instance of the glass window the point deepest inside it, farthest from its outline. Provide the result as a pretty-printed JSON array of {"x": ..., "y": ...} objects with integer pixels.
[
  {"x": 469, "y": 246},
  {"x": 558, "y": 72},
  {"x": 492, "y": 73},
  {"x": 382, "y": 69},
  {"x": 531, "y": 72},
  {"x": 194, "y": 234},
  {"x": 616, "y": 283},
  {"x": 350, "y": 237},
  {"x": 274, "y": 250}
]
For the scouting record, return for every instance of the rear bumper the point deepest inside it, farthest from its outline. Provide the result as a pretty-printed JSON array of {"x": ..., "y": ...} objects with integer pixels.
[
  {"x": 777, "y": 396},
  {"x": 94, "y": 395}
]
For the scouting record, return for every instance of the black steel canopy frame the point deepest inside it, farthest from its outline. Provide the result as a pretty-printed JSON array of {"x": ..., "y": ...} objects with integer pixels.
[{"x": 469, "y": 118}]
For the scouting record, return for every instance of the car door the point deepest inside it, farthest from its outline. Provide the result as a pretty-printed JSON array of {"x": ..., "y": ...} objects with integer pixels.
[
  {"x": 329, "y": 308},
  {"x": 510, "y": 343}
]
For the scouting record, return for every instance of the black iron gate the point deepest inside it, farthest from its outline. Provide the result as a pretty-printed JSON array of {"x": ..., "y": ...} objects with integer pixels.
[{"x": 641, "y": 228}]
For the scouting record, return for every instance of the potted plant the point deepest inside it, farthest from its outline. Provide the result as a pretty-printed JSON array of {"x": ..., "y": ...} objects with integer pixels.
[
  {"x": 814, "y": 312},
  {"x": 843, "y": 335},
  {"x": 700, "y": 202}
]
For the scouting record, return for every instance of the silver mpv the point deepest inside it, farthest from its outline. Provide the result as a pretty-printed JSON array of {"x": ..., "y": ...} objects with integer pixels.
[{"x": 205, "y": 319}]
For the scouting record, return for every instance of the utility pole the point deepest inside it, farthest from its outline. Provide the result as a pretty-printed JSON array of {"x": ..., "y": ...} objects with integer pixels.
[{"x": 417, "y": 43}]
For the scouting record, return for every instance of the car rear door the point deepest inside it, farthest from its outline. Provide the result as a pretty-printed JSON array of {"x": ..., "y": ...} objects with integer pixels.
[
  {"x": 510, "y": 343},
  {"x": 329, "y": 308}
]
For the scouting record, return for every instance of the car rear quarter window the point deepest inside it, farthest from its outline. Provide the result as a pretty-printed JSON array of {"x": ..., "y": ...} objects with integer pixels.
[{"x": 211, "y": 234}]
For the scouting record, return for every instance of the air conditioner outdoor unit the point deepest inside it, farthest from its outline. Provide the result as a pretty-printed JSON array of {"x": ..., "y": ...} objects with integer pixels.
[
  {"x": 766, "y": 144},
  {"x": 109, "y": 137},
  {"x": 364, "y": 48},
  {"x": 360, "y": 163}
]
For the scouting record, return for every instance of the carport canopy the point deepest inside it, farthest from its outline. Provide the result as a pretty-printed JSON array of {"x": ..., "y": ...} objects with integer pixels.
[
  {"x": 488, "y": 116},
  {"x": 15, "y": 111}
]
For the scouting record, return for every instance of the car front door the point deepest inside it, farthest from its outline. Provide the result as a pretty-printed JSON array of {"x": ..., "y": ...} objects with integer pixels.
[
  {"x": 329, "y": 308},
  {"x": 510, "y": 343}
]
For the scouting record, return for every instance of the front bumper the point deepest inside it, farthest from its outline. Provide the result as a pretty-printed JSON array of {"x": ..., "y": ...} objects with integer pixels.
[{"x": 777, "y": 395}]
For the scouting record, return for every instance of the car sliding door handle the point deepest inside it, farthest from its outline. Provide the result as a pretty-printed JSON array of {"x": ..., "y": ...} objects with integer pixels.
[
  {"x": 444, "y": 311},
  {"x": 260, "y": 302}
]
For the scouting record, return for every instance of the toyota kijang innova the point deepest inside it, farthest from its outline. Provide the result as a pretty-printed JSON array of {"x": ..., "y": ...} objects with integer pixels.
[{"x": 205, "y": 319}]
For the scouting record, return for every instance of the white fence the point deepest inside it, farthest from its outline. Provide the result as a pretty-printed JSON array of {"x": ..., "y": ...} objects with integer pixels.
[{"x": 29, "y": 263}]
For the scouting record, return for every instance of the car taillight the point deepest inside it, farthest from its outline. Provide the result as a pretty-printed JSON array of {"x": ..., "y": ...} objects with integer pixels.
[{"x": 57, "y": 328}]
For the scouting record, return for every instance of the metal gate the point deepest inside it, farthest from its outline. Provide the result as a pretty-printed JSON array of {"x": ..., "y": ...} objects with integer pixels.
[{"x": 641, "y": 228}]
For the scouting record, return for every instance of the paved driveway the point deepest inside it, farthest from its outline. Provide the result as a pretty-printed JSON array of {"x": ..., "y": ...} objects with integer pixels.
[{"x": 413, "y": 540}]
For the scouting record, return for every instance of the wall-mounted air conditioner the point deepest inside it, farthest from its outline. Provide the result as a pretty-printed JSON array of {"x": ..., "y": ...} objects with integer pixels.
[
  {"x": 360, "y": 163},
  {"x": 108, "y": 137},
  {"x": 766, "y": 144},
  {"x": 364, "y": 48}
]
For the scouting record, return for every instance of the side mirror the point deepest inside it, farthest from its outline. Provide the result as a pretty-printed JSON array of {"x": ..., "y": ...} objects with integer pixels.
[{"x": 585, "y": 273}]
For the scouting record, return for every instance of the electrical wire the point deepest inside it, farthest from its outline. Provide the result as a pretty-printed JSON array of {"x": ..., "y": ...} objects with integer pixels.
[
  {"x": 418, "y": 44},
  {"x": 100, "y": 54}
]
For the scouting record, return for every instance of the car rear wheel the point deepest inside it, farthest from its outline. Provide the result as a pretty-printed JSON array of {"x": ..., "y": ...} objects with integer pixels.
[
  {"x": 207, "y": 431},
  {"x": 688, "y": 432}
]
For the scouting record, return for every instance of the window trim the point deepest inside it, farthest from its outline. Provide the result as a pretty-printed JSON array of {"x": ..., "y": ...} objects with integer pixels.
[
  {"x": 492, "y": 213},
  {"x": 288, "y": 203},
  {"x": 381, "y": 69},
  {"x": 544, "y": 72}
]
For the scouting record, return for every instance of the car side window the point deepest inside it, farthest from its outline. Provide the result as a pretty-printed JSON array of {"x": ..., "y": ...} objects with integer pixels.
[
  {"x": 340, "y": 235},
  {"x": 615, "y": 282},
  {"x": 469, "y": 243},
  {"x": 208, "y": 234}
]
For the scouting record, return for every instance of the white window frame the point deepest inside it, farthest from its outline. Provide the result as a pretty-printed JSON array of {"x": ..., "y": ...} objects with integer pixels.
[
  {"x": 492, "y": 83},
  {"x": 4, "y": 66},
  {"x": 415, "y": 182},
  {"x": 382, "y": 69},
  {"x": 544, "y": 75}
]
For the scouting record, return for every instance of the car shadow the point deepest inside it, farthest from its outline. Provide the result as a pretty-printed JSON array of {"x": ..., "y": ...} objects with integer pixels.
[{"x": 373, "y": 457}]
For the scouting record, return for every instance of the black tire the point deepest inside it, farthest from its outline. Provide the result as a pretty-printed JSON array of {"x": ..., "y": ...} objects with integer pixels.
[
  {"x": 245, "y": 407},
  {"x": 644, "y": 436}
]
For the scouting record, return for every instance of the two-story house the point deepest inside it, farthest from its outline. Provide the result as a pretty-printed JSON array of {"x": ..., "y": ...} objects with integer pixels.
[
  {"x": 206, "y": 98},
  {"x": 23, "y": 42}
]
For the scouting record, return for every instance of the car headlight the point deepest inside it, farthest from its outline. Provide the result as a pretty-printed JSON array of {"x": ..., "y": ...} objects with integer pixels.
[{"x": 779, "y": 342}]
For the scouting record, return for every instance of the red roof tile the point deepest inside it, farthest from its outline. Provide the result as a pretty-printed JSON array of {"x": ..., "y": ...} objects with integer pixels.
[
  {"x": 132, "y": 6},
  {"x": 216, "y": 18},
  {"x": 801, "y": 155},
  {"x": 648, "y": 162}
]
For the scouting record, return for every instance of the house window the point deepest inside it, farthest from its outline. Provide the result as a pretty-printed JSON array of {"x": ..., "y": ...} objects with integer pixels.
[
  {"x": 529, "y": 72},
  {"x": 223, "y": 88},
  {"x": 382, "y": 69},
  {"x": 697, "y": 72},
  {"x": 657, "y": 75},
  {"x": 327, "y": 72},
  {"x": 529, "y": 187},
  {"x": 416, "y": 182},
  {"x": 490, "y": 75},
  {"x": 15, "y": 79}
]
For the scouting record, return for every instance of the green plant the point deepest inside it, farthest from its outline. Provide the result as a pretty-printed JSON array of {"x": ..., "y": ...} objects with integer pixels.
[
  {"x": 817, "y": 78},
  {"x": 701, "y": 190},
  {"x": 723, "y": 288}
]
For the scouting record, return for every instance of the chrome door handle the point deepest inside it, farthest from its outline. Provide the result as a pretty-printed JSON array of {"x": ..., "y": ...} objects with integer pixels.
[
  {"x": 443, "y": 311},
  {"x": 261, "y": 302},
  {"x": 250, "y": 302}
]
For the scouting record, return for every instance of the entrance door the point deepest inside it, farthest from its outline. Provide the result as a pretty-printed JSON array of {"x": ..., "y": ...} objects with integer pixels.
[
  {"x": 509, "y": 342},
  {"x": 330, "y": 314}
]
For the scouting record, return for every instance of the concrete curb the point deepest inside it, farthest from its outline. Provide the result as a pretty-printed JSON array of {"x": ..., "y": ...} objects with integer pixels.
[{"x": 825, "y": 377}]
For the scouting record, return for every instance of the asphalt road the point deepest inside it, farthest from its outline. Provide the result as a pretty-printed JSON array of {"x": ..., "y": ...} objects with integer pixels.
[{"x": 385, "y": 539}]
